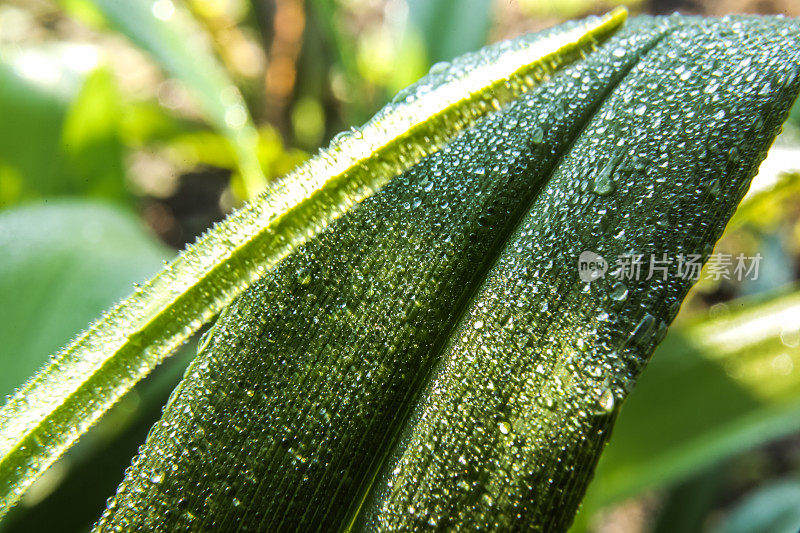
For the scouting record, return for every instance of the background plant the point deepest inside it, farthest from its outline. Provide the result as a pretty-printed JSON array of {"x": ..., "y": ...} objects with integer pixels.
[{"x": 128, "y": 138}]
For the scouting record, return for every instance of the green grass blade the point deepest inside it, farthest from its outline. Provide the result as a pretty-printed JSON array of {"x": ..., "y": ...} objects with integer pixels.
[
  {"x": 432, "y": 359},
  {"x": 83, "y": 380}
]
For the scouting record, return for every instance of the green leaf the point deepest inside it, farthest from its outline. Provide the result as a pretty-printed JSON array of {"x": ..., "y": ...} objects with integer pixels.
[
  {"x": 738, "y": 367},
  {"x": 171, "y": 37},
  {"x": 73, "y": 492},
  {"x": 432, "y": 359},
  {"x": 32, "y": 115},
  {"x": 63, "y": 263},
  {"x": 90, "y": 139},
  {"x": 688, "y": 504},
  {"x": 43, "y": 418}
]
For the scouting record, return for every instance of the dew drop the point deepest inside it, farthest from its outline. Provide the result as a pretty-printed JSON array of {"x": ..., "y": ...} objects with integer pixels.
[
  {"x": 537, "y": 135},
  {"x": 303, "y": 276},
  {"x": 619, "y": 292},
  {"x": 157, "y": 477},
  {"x": 606, "y": 401},
  {"x": 643, "y": 329},
  {"x": 714, "y": 188},
  {"x": 604, "y": 182}
]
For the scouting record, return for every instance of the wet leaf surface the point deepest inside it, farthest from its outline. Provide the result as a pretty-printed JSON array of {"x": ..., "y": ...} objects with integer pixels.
[{"x": 432, "y": 359}]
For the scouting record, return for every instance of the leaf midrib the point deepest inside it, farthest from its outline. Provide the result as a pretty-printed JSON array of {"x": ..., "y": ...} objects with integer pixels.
[{"x": 461, "y": 306}]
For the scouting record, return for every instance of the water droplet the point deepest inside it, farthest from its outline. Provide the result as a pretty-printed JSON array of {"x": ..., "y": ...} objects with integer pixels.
[
  {"x": 438, "y": 68},
  {"x": 606, "y": 401},
  {"x": 157, "y": 476},
  {"x": 643, "y": 329},
  {"x": 604, "y": 182},
  {"x": 619, "y": 292},
  {"x": 198, "y": 433},
  {"x": 205, "y": 339},
  {"x": 714, "y": 188},
  {"x": 546, "y": 401},
  {"x": 537, "y": 135},
  {"x": 303, "y": 276}
]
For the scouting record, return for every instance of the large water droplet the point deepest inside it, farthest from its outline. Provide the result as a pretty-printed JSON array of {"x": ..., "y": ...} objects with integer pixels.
[
  {"x": 606, "y": 401},
  {"x": 619, "y": 292},
  {"x": 643, "y": 329},
  {"x": 537, "y": 135}
]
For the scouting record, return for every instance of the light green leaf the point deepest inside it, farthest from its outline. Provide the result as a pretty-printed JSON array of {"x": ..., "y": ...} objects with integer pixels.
[
  {"x": 450, "y": 29},
  {"x": 90, "y": 139},
  {"x": 32, "y": 116},
  {"x": 84, "y": 379},
  {"x": 46, "y": 149},
  {"x": 433, "y": 359},
  {"x": 73, "y": 492},
  {"x": 63, "y": 263},
  {"x": 169, "y": 34}
]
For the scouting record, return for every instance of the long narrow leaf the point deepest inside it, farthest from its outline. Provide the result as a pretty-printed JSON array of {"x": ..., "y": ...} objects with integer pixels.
[
  {"x": 433, "y": 359},
  {"x": 83, "y": 380}
]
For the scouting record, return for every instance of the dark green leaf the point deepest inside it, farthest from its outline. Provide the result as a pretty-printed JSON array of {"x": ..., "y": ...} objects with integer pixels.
[
  {"x": 432, "y": 358},
  {"x": 85, "y": 378}
]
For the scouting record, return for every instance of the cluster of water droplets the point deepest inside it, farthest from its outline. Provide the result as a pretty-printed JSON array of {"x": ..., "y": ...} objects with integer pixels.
[
  {"x": 379, "y": 283},
  {"x": 303, "y": 375},
  {"x": 520, "y": 407},
  {"x": 160, "y": 314}
]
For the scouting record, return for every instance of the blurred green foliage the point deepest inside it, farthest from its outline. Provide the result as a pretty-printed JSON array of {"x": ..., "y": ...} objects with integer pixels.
[
  {"x": 773, "y": 508},
  {"x": 64, "y": 262},
  {"x": 60, "y": 133},
  {"x": 715, "y": 388}
]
